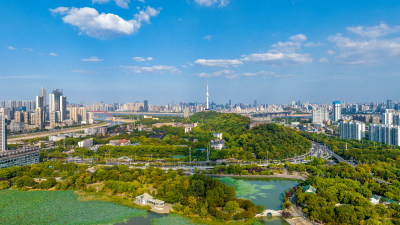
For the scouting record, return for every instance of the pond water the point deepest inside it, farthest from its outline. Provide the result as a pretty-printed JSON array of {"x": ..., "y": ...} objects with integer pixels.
[{"x": 267, "y": 192}]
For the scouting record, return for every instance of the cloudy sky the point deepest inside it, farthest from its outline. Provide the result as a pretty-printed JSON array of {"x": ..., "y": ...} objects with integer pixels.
[{"x": 163, "y": 50}]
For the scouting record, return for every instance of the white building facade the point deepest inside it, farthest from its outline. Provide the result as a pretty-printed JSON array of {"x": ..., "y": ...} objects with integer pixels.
[
  {"x": 352, "y": 130},
  {"x": 319, "y": 115},
  {"x": 388, "y": 134}
]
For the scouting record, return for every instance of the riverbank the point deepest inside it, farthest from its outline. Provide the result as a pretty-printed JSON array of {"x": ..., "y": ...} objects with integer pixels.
[{"x": 296, "y": 177}]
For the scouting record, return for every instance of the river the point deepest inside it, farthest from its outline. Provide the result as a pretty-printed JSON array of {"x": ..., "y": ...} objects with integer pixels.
[{"x": 267, "y": 192}]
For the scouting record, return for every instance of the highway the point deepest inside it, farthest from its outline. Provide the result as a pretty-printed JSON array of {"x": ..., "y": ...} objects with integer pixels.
[{"x": 18, "y": 138}]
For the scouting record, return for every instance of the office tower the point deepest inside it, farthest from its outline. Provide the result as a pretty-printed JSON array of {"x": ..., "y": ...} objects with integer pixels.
[
  {"x": 63, "y": 108},
  {"x": 207, "y": 95},
  {"x": 230, "y": 102},
  {"x": 3, "y": 104},
  {"x": 255, "y": 103},
  {"x": 337, "y": 111},
  {"x": 39, "y": 102},
  {"x": 3, "y": 133},
  {"x": 389, "y": 104},
  {"x": 319, "y": 115},
  {"x": 352, "y": 130},
  {"x": 145, "y": 106},
  {"x": 388, "y": 134},
  {"x": 42, "y": 94}
]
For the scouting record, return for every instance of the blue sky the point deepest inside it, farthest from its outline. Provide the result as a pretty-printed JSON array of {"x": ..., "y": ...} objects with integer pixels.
[{"x": 131, "y": 50}]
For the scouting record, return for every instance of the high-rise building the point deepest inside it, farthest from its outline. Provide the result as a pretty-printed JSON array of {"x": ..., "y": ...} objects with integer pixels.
[
  {"x": 63, "y": 108},
  {"x": 337, "y": 111},
  {"x": 352, "y": 130},
  {"x": 145, "y": 106},
  {"x": 320, "y": 115},
  {"x": 78, "y": 114},
  {"x": 39, "y": 102},
  {"x": 255, "y": 103},
  {"x": 3, "y": 133},
  {"x": 391, "y": 117},
  {"x": 389, "y": 104},
  {"x": 388, "y": 134},
  {"x": 39, "y": 118},
  {"x": 42, "y": 94}
]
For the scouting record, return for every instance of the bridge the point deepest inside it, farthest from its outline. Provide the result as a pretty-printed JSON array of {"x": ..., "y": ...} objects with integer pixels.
[
  {"x": 270, "y": 212},
  {"x": 103, "y": 113}
]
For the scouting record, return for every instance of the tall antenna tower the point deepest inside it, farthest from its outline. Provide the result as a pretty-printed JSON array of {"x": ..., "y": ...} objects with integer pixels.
[{"x": 207, "y": 95}]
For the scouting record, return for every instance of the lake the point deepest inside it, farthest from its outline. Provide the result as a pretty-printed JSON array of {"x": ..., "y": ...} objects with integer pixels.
[{"x": 267, "y": 192}]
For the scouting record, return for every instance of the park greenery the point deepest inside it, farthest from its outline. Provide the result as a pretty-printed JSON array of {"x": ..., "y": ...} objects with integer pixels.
[
  {"x": 192, "y": 196},
  {"x": 269, "y": 141}
]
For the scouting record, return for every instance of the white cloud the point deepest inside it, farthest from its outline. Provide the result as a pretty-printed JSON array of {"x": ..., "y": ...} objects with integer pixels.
[
  {"x": 370, "y": 45},
  {"x": 141, "y": 59},
  {"x": 104, "y": 25},
  {"x": 219, "y": 62},
  {"x": 28, "y": 49},
  {"x": 330, "y": 52},
  {"x": 229, "y": 74},
  {"x": 52, "y": 54},
  {"x": 279, "y": 58},
  {"x": 208, "y": 37},
  {"x": 11, "y": 48},
  {"x": 226, "y": 73},
  {"x": 298, "y": 37},
  {"x": 100, "y": 1},
  {"x": 323, "y": 60},
  {"x": 283, "y": 53},
  {"x": 93, "y": 59},
  {"x": 312, "y": 44},
  {"x": 152, "y": 69},
  {"x": 374, "y": 31},
  {"x": 122, "y": 3},
  {"x": 208, "y": 3}
]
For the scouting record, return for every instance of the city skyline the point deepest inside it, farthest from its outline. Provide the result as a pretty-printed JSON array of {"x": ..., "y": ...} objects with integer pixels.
[{"x": 271, "y": 51}]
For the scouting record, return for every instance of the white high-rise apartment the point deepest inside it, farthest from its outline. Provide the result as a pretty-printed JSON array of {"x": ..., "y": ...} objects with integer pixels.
[
  {"x": 3, "y": 133},
  {"x": 337, "y": 111},
  {"x": 319, "y": 115},
  {"x": 391, "y": 117},
  {"x": 352, "y": 130},
  {"x": 388, "y": 134},
  {"x": 52, "y": 103}
]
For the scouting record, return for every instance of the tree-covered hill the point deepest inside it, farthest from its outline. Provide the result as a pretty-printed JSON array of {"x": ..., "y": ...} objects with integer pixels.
[{"x": 249, "y": 144}]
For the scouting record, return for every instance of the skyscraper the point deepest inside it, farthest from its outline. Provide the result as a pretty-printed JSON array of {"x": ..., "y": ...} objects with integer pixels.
[
  {"x": 3, "y": 133},
  {"x": 337, "y": 111},
  {"x": 63, "y": 108},
  {"x": 145, "y": 106},
  {"x": 207, "y": 95},
  {"x": 42, "y": 93},
  {"x": 39, "y": 102},
  {"x": 389, "y": 104}
]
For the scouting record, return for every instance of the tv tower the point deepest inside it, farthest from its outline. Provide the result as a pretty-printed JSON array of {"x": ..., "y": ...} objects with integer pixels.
[{"x": 207, "y": 108}]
